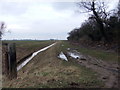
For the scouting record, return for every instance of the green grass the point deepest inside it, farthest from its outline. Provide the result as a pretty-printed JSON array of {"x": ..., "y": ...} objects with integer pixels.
[
  {"x": 87, "y": 78},
  {"x": 111, "y": 57},
  {"x": 99, "y": 54}
]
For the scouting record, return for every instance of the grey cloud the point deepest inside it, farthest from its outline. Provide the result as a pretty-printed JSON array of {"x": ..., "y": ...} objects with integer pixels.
[
  {"x": 41, "y": 28},
  {"x": 13, "y": 8},
  {"x": 64, "y": 5}
]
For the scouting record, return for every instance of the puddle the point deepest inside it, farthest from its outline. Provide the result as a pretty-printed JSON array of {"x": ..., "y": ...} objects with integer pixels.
[
  {"x": 33, "y": 55},
  {"x": 73, "y": 55},
  {"x": 62, "y": 45},
  {"x": 68, "y": 49},
  {"x": 62, "y": 56}
]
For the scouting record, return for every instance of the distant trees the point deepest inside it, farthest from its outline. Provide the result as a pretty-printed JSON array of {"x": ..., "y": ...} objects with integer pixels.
[
  {"x": 88, "y": 28},
  {"x": 101, "y": 24}
]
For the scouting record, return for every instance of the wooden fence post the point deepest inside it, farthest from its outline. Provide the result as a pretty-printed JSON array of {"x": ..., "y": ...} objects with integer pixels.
[
  {"x": 5, "y": 62},
  {"x": 12, "y": 61}
]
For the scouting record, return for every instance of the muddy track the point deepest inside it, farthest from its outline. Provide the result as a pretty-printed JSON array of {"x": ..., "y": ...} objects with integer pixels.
[{"x": 108, "y": 72}]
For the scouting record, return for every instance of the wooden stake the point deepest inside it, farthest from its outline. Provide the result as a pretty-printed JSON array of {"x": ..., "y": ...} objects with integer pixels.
[{"x": 12, "y": 61}]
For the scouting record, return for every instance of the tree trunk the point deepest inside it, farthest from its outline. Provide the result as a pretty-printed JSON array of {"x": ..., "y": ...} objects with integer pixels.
[{"x": 100, "y": 23}]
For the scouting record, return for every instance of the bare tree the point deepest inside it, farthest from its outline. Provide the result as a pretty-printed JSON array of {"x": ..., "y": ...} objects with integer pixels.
[
  {"x": 99, "y": 13},
  {"x": 118, "y": 10},
  {"x": 2, "y": 27}
]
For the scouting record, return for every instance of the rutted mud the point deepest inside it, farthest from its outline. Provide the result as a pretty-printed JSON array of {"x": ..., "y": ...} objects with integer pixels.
[{"x": 108, "y": 73}]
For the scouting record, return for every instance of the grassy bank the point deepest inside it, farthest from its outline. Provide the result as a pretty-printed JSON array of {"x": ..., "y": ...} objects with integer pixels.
[{"x": 46, "y": 70}]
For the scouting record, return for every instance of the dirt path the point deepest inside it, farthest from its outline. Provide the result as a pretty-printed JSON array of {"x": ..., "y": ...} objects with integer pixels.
[{"x": 108, "y": 72}]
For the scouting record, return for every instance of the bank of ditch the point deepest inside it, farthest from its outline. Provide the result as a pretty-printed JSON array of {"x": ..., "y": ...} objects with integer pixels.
[{"x": 23, "y": 50}]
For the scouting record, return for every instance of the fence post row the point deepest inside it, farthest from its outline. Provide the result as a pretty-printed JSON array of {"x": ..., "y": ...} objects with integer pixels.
[{"x": 10, "y": 61}]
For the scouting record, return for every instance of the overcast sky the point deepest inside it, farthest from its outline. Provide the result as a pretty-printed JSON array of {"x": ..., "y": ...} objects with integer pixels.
[{"x": 40, "y": 20}]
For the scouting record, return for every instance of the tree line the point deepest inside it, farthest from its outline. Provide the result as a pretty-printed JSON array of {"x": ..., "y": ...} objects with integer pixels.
[{"x": 102, "y": 25}]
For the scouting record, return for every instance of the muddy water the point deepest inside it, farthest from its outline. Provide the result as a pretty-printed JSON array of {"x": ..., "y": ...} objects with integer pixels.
[
  {"x": 33, "y": 55},
  {"x": 73, "y": 55}
]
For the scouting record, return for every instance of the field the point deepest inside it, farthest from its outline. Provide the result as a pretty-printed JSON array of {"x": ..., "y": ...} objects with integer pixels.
[
  {"x": 46, "y": 70},
  {"x": 24, "y": 48}
]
